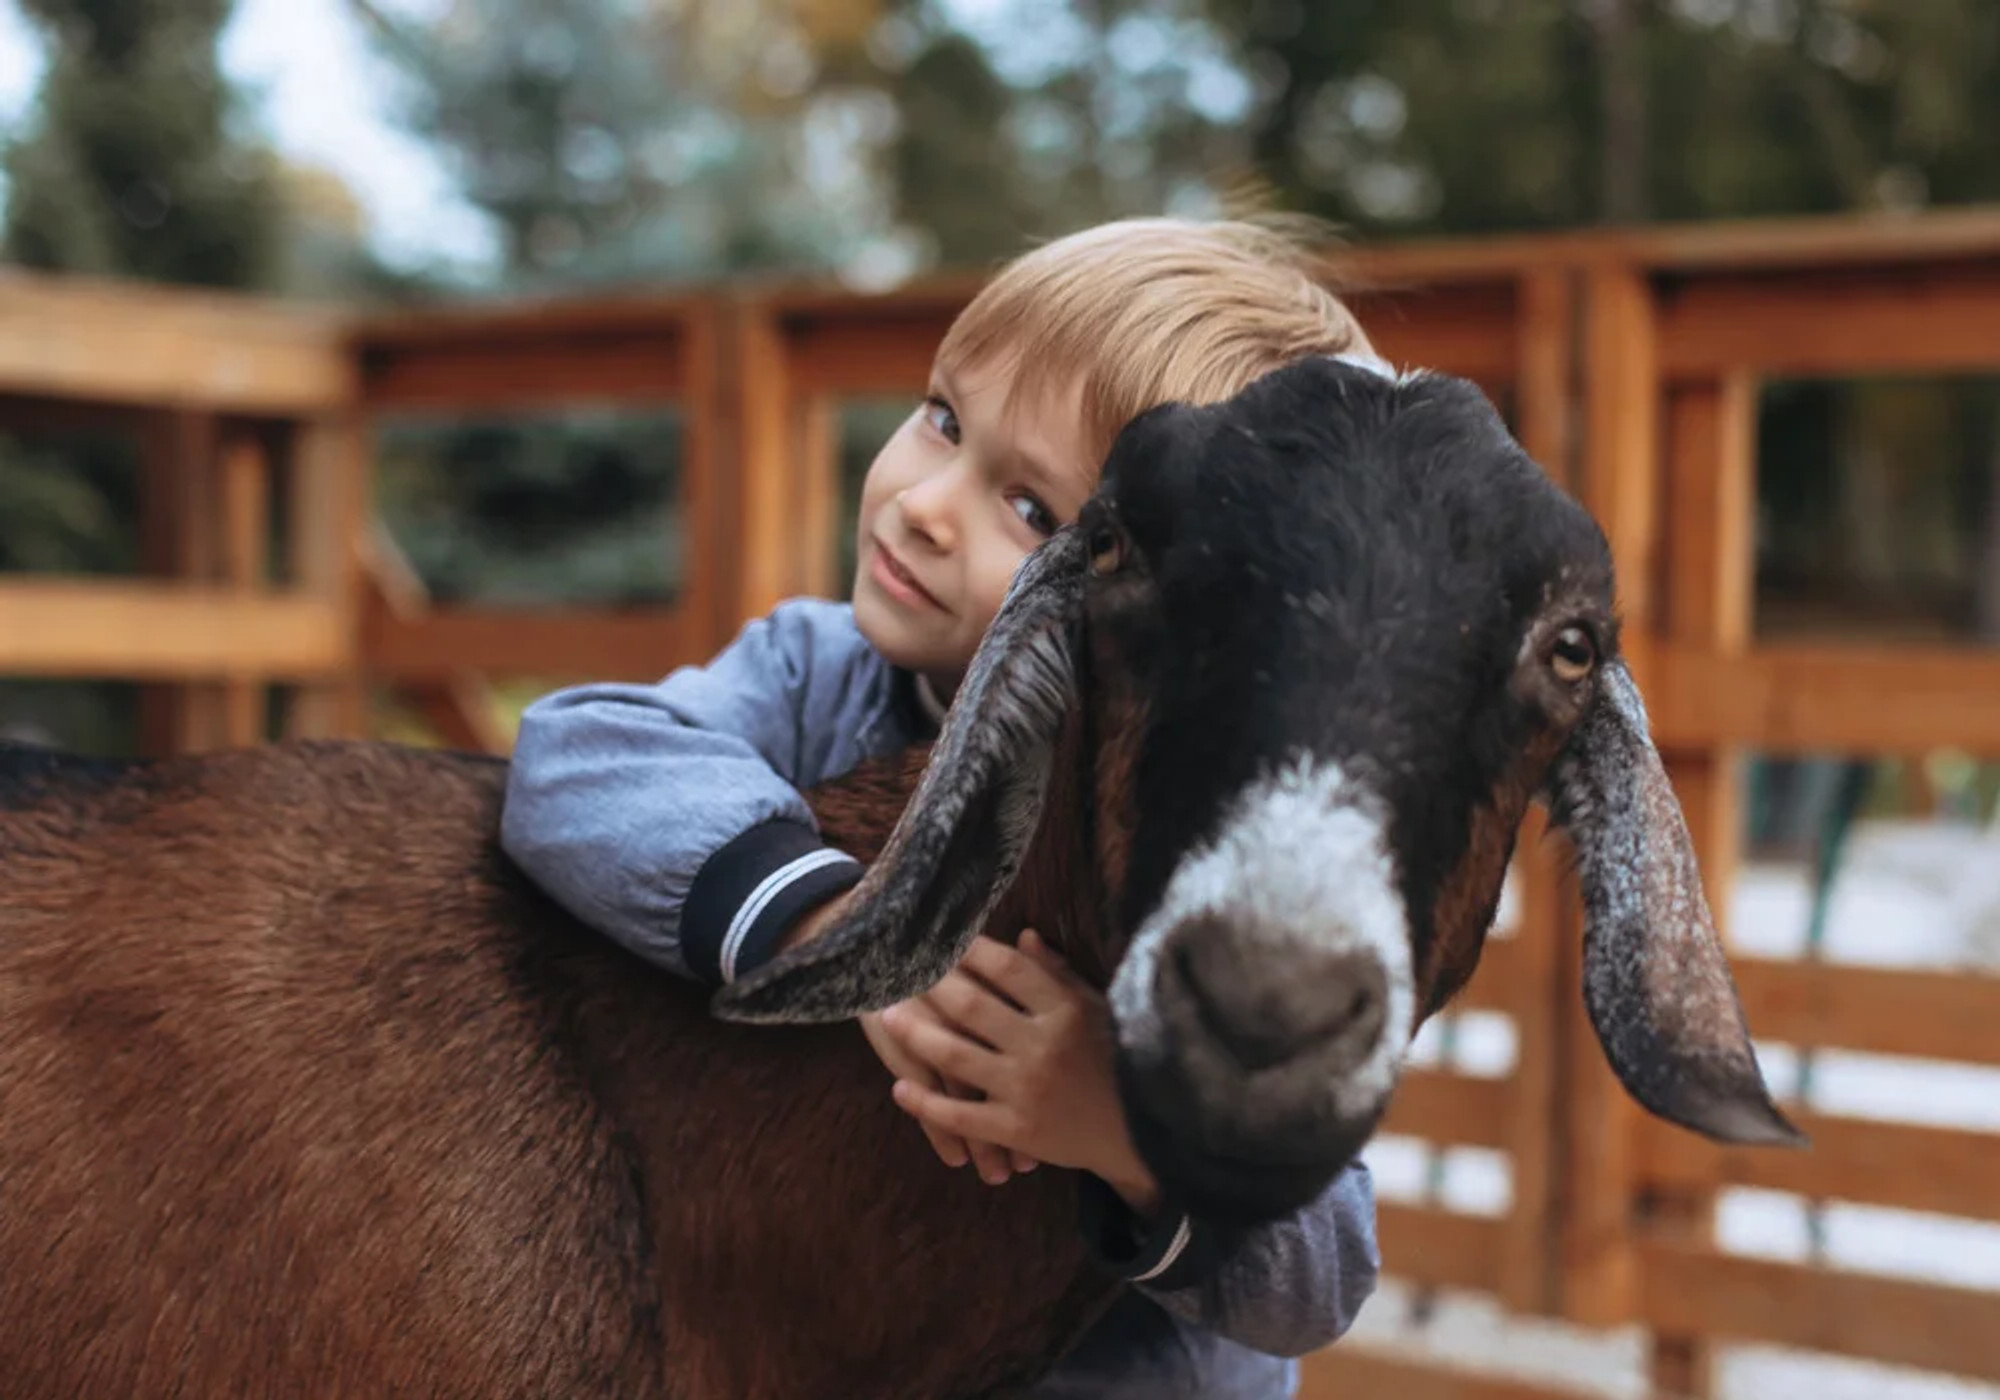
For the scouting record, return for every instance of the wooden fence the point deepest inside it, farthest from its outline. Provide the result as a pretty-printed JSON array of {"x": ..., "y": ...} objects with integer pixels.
[{"x": 1629, "y": 364}]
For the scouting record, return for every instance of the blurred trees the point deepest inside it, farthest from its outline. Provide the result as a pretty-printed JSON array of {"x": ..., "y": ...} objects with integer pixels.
[{"x": 133, "y": 169}]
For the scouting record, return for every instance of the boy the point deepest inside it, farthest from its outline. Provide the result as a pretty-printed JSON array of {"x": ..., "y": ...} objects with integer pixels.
[{"x": 669, "y": 816}]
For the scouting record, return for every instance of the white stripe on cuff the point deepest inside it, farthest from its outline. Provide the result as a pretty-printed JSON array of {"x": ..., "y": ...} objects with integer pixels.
[
  {"x": 761, "y": 897},
  {"x": 1182, "y": 1234}
]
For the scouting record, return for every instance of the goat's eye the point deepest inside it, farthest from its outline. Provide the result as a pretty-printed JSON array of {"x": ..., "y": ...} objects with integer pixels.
[
  {"x": 1574, "y": 655},
  {"x": 1107, "y": 547}
]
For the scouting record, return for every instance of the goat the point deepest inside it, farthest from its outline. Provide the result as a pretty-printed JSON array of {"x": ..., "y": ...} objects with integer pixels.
[{"x": 304, "y": 1088}]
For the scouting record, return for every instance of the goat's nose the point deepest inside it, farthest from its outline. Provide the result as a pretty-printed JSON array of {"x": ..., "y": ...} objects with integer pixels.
[{"x": 1266, "y": 1003}]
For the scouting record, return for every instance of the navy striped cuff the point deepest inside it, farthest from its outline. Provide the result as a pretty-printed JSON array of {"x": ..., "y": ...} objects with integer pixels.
[
  {"x": 1161, "y": 1254},
  {"x": 752, "y": 890}
]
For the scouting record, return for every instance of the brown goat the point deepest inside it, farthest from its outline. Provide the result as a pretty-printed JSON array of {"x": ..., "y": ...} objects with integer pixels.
[{"x": 304, "y": 1090}]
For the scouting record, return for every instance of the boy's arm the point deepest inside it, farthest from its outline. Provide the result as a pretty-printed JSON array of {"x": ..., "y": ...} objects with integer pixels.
[
  {"x": 1287, "y": 1288},
  {"x": 668, "y": 816}
]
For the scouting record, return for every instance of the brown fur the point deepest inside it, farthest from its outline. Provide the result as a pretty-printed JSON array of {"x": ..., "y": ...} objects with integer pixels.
[
  {"x": 307, "y": 1092},
  {"x": 1469, "y": 898}
]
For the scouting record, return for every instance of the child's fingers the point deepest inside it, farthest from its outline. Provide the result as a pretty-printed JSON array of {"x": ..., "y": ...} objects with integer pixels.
[
  {"x": 969, "y": 1006},
  {"x": 953, "y": 1055},
  {"x": 1023, "y": 1163},
  {"x": 1037, "y": 947},
  {"x": 992, "y": 1162},
  {"x": 974, "y": 1121},
  {"x": 1014, "y": 974}
]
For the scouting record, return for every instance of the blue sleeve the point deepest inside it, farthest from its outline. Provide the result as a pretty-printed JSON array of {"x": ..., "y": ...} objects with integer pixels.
[
  {"x": 668, "y": 816},
  {"x": 1286, "y": 1288}
]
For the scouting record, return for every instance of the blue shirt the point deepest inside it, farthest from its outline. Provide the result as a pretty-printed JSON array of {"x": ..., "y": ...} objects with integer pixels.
[{"x": 669, "y": 817}]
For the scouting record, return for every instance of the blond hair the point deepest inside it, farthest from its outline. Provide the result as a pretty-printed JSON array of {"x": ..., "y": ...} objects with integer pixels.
[{"x": 1142, "y": 312}]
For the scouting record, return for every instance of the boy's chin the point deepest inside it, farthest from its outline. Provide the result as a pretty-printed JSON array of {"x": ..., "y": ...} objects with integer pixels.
[{"x": 898, "y": 641}]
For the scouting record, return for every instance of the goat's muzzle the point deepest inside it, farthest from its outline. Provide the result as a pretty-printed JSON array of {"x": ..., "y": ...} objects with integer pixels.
[{"x": 1265, "y": 1006}]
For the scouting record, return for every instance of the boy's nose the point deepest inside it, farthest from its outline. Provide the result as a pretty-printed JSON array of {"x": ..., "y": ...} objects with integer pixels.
[{"x": 926, "y": 509}]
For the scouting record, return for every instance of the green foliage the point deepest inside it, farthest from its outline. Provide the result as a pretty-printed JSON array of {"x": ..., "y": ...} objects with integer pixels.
[{"x": 133, "y": 170}]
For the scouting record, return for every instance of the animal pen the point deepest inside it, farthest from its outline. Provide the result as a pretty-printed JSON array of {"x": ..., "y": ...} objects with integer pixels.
[{"x": 1629, "y": 363}]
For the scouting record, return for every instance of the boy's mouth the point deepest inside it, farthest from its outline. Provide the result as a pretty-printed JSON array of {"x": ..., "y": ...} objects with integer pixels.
[{"x": 899, "y": 582}]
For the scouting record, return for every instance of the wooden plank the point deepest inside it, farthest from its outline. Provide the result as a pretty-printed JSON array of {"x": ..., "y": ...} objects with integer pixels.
[
  {"x": 645, "y": 365},
  {"x": 245, "y": 540},
  {"x": 1711, "y": 430},
  {"x": 1473, "y": 331},
  {"x": 854, "y": 357},
  {"x": 125, "y": 343},
  {"x": 707, "y": 519},
  {"x": 1897, "y": 1321},
  {"x": 1354, "y": 1372},
  {"x": 818, "y": 503},
  {"x": 1948, "y": 1171},
  {"x": 1920, "y": 319},
  {"x": 1459, "y": 1109},
  {"x": 1538, "y": 1000},
  {"x": 1936, "y": 235},
  {"x": 635, "y": 644},
  {"x": 1440, "y": 1248},
  {"x": 1801, "y": 698},
  {"x": 766, "y": 540},
  {"x": 1621, "y": 484},
  {"x": 522, "y": 318},
  {"x": 1927, "y": 1015},
  {"x": 1494, "y": 986},
  {"x": 1545, "y": 364},
  {"x": 135, "y": 631},
  {"x": 457, "y": 707},
  {"x": 328, "y": 475}
]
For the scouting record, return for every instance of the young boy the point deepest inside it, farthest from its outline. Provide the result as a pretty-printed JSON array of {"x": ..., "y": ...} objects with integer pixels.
[{"x": 670, "y": 817}]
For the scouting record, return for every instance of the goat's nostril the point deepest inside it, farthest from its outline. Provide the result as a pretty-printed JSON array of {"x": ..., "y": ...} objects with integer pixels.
[{"x": 1267, "y": 1005}]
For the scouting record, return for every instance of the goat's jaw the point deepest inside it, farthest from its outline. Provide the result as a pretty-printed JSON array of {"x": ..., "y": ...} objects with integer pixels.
[{"x": 1264, "y": 1008}]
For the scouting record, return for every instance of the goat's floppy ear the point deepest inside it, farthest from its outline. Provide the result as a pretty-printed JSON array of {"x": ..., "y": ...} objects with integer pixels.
[
  {"x": 961, "y": 839},
  {"x": 1655, "y": 980}
]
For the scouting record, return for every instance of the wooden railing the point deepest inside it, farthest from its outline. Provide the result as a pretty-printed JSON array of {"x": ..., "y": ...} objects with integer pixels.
[{"x": 1628, "y": 364}]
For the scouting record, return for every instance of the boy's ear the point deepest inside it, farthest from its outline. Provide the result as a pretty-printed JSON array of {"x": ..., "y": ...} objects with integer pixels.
[{"x": 961, "y": 839}]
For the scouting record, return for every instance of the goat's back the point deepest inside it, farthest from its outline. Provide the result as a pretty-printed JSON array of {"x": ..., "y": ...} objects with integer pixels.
[
  {"x": 305, "y": 1089},
  {"x": 282, "y": 1096}
]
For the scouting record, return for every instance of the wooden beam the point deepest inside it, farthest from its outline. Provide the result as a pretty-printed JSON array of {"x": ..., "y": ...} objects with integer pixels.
[
  {"x": 855, "y": 357},
  {"x": 1885, "y": 1011},
  {"x": 1471, "y": 330},
  {"x": 635, "y": 645},
  {"x": 1948, "y": 1171},
  {"x": 142, "y": 631},
  {"x": 1354, "y": 1372},
  {"x": 1621, "y": 484},
  {"x": 1902, "y": 1323},
  {"x": 328, "y": 476},
  {"x": 1803, "y": 698},
  {"x": 129, "y": 344},
  {"x": 1921, "y": 319},
  {"x": 1440, "y": 1248},
  {"x": 645, "y": 365}
]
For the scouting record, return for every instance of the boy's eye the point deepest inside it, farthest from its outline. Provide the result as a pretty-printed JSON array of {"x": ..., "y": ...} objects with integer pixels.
[
  {"x": 1034, "y": 514},
  {"x": 938, "y": 414}
]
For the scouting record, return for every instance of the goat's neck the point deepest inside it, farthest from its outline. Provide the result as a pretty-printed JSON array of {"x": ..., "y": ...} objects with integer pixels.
[{"x": 1060, "y": 891}]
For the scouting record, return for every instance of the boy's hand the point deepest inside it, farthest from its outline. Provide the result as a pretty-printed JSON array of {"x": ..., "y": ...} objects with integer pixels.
[
  {"x": 1017, "y": 1026},
  {"x": 995, "y": 1164}
]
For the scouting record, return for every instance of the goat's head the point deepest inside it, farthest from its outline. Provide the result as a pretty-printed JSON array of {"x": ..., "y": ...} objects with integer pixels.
[{"x": 1333, "y": 636}]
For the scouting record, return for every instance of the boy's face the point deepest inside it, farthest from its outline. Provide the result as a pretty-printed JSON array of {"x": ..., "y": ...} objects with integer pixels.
[{"x": 966, "y": 488}]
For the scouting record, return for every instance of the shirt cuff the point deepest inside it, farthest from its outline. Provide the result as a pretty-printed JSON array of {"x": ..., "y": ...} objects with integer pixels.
[
  {"x": 1161, "y": 1254},
  {"x": 750, "y": 892}
]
